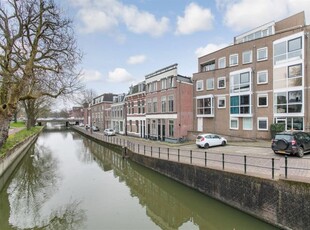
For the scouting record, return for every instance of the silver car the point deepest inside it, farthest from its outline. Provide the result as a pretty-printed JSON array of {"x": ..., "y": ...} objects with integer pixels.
[
  {"x": 209, "y": 139},
  {"x": 109, "y": 132}
]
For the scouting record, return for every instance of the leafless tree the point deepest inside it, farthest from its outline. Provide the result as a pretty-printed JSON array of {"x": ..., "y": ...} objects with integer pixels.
[
  {"x": 85, "y": 97},
  {"x": 38, "y": 55}
]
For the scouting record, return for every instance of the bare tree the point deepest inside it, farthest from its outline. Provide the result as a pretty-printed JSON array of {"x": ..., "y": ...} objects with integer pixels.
[
  {"x": 85, "y": 97},
  {"x": 38, "y": 55}
]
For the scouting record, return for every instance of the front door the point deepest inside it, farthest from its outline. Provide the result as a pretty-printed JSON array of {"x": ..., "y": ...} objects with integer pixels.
[{"x": 200, "y": 124}]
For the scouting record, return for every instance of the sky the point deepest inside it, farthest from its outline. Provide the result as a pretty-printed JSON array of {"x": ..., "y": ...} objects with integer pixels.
[{"x": 122, "y": 41}]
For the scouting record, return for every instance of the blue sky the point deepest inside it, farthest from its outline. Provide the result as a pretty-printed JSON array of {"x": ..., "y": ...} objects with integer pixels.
[{"x": 123, "y": 41}]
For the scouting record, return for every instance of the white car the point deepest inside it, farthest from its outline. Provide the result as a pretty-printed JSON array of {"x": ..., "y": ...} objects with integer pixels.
[
  {"x": 209, "y": 139},
  {"x": 109, "y": 132}
]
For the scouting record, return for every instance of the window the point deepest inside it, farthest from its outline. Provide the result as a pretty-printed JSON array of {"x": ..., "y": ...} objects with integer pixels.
[
  {"x": 170, "y": 104},
  {"x": 286, "y": 50},
  {"x": 262, "y": 54},
  {"x": 247, "y": 57},
  {"x": 222, "y": 63},
  {"x": 233, "y": 59},
  {"x": 247, "y": 123},
  {"x": 221, "y": 83},
  {"x": 262, "y": 123},
  {"x": 221, "y": 102},
  {"x": 149, "y": 105},
  {"x": 210, "y": 84},
  {"x": 143, "y": 107},
  {"x": 294, "y": 71},
  {"x": 288, "y": 102},
  {"x": 240, "y": 82},
  {"x": 240, "y": 104},
  {"x": 132, "y": 107},
  {"x": 154, "y": 86},
  {"x": 170, "y": 82},
  {"x": 139, "y": 107},
  {"x": 137, "y": 126},
  {"x": 262, "y": 100},
  {"x": 208, "y": 66},
  {"x": 262, "y": 77},
  {"x": 155, "y": 105},
  {"x": 163, "y": 104},
  {"x": 234, "y": 123},
  {"x": 199, "y": 85},
  {"x": 163, "y": 83},
  {"x": 171, "y": 128},
  {"x": 205, "y": 106}
]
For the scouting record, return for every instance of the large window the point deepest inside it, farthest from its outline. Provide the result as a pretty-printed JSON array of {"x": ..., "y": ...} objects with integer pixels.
[
  {"x": 222, "y": 63},
  {"x": 170, "y": 82},
  {"x": 240, "y": 82},
  {"x": 208, "y": 66},
  {"x": 289, "y": 49},
  {"x": 262, "y": 54},
  {"x": 240, "y": 104},
  {"x": 199, "y": 85},
  {"x": 163, "y": 83},
  {"x": 149, "y": 105},
  {"x": 247, "y": 123},
  {"x": 205, "y": 106},
  {"x": 288, "y": 102},
  {"x": 210, "y": 84},
  {"x": 170, "y": 104},
  {"x": 155, "y": 105},
  {"x": 247, "y": 57},
  {"x": 233, "y": 59}
]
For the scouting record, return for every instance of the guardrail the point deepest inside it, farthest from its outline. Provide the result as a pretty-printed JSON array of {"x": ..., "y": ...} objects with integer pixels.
[{"x": 268, "y": 167}]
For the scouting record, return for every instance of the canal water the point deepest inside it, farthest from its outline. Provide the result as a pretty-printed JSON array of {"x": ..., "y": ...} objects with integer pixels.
[{"x": 67, "y": 181}]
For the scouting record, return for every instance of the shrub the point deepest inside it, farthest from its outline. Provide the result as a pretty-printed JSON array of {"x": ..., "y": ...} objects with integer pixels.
[{"x": 276, "y": 128}]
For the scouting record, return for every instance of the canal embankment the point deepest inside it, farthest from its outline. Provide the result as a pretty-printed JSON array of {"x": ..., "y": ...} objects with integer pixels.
[
  {"x": 11, "y": 159},
  {"x": 281, "y": 202}
]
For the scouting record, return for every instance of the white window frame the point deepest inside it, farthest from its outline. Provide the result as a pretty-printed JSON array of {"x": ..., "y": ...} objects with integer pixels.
[
  {"x": 199, "y": 81},
  {"x": 207, "y": 85},
  {"x": 243, "y": 123},
  {"x": 231, "y": 58},
  {"x": 218, "y": 102},
  {"x": 223, "y": 61},
  {"x": 262, "y": 119},
  {"x": 234, "y": 119},
  {"x": 244, "y": 55},
  {"x": 203, "y": 107},
  {"x": 257, "y": 75},
  {"x": 266, "y": 56},
  {"x": 218, "y": 82},
  {"x": 262, "y": 95}
]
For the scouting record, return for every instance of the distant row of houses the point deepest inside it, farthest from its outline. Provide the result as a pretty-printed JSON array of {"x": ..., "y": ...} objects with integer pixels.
[{"x": 238, "y": 91}]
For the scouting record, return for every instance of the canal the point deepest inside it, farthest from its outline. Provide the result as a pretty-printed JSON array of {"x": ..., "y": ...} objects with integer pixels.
[{"x": 67, "y": 181}]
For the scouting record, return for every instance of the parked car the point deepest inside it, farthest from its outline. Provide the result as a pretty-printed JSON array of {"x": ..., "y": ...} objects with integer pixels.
[
  {"x": 81, "y": 125},
  {"x": 95, "y": 128},
  {"x": 292, "y": 143},
  {"x": 209, "y": 139},
  {"x": 87, "y": 126},
  {"x": 109, "y": 132}
]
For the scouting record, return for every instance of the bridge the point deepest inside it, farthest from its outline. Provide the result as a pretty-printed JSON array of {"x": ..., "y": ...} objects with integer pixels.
[{"x": 60, "y": 120}]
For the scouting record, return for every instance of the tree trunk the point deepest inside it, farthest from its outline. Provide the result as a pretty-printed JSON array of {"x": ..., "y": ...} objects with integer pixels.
[{"x": 4, "y": 128}]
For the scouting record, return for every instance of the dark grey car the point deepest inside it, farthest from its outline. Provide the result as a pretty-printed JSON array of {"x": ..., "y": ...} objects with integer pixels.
[{"x": 292, "y": 143}]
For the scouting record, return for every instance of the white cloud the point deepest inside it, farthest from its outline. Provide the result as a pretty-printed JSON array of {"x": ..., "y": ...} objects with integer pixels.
[
  {"x": 247, "y": 14},
  {"x": 195, "y": 19},
  {"x": 210, "y": 48},
  {"x": 136, "y": 59},
  {"x": 119, "y": 75},
  {"x": 91, "y": 75},
  {"x": 106, "y": 15}
]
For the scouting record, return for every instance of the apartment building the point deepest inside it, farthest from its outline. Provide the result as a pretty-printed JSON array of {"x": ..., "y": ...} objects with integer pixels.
[
  {"x": 169, "y": 104},
  {"x": 261, "y": 79},
  {"x": 135, "y": 110},
  {"x": 118, "y": 114},
  {"x": 100, "y": 114}
]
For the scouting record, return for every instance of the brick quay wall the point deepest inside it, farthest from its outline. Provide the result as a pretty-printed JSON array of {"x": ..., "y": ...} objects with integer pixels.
[{"x": 283, "y": 203}]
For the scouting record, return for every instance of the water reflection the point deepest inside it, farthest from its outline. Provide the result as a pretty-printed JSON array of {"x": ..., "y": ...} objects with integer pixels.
[
  {"x": 170, "y": 204},
  {"x": 34, "y": 183}
]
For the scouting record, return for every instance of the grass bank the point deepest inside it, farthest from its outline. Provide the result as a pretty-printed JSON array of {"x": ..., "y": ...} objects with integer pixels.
[{"x": 17, "y": 138}]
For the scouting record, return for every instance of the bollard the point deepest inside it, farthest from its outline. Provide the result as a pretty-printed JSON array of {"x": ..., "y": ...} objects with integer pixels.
[
  {"x": 144, "y": 149},
  {"x": 159, "y": 152},
  {"x": 168, "y": 153},
  {"x": 244, "y": 164},
  {"x": 178, "y": 155},
  {"x": 191, "y": 156},
  {"x": 139, "y": 148},
  {"x": 205, "y": 159},
  {"x": 151, "y": 151},
  {"x": 285, "y": 166},
  {"x": 223, "y": 157},
  {"x": 272, "y": 168}
]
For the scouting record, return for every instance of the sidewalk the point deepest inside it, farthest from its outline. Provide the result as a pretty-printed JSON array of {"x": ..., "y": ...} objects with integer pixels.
[{"x": 15, "y": 130}]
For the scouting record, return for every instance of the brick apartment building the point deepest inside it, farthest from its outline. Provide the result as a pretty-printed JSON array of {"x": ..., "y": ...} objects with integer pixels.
[
  {"x": 100, "y": 113},
  {"x": 261, "y": 79},
  {"x": 135, "y": 101},
  {"x": 169, "y": 104}
]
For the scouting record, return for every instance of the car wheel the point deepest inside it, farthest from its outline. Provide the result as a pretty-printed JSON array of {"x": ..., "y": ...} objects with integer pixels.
[
  {"x": 206, "y": 145},
  {"x": 223, "y": 143},
  {"x": 300, "y": 152}
]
